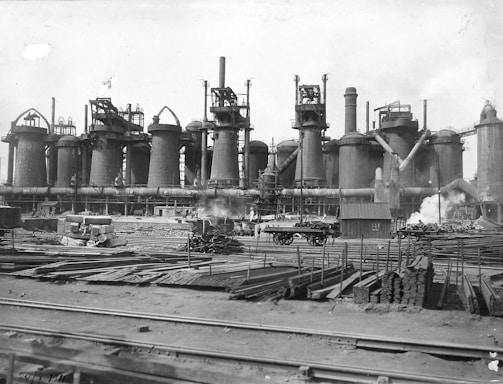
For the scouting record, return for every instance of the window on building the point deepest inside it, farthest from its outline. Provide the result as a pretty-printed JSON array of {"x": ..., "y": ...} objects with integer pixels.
[{"x": 375, "y": 227}]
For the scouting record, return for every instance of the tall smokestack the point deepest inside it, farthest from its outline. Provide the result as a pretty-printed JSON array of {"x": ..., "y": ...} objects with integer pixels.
[
  {"x": 221, "y": 78},
  {"x": 425, "y": 114},
  {"x": 350, "y": 97},
  {"x": 53, "y": 114},
  {"x": 367, "y": 119}
]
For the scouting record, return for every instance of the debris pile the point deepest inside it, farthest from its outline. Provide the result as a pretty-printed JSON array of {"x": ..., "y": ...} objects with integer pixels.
[
  {"x": 91, "y": 231},
  {"x": 214, "y": 242}
]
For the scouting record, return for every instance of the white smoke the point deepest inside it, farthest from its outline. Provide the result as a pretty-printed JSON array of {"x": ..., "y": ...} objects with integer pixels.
[
  {"x": 428, "y": 212},
  {"x": 36, "y": 51},
  {"x": 106, "y": 86}
]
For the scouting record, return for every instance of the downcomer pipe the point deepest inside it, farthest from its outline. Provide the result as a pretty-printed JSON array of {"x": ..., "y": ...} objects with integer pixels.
[
  {"x": 414, "y": 150},
  {"x": 387, "y": 148}
]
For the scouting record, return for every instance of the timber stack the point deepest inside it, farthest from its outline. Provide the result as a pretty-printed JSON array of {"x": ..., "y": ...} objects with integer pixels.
[
  {"x": 417, "y": 281},
  {"x": 471, "y": 296},
  {"x": 491, "y": 297}
]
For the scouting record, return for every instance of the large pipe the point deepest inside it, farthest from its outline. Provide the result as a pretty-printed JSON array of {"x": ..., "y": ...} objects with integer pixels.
[
  {"x": 85, "y": 119},
  {"x": 53, "y": 115},
  {"x": 180, "y": 192},
  {"x": 350, "y": 108},
  {"x": 387, "y": 148},
  {"x": 284, "y": 165},
  {"x": 324, "y": 78},
  {"x": 367, "y": 117},
  {"x": 425, "y": 114},
  {"x": 10, "y": 164},
  {"x": 246, "y": 164},
  {"x": 414, "y": 150},
  {"x": 221, "y": 77}
]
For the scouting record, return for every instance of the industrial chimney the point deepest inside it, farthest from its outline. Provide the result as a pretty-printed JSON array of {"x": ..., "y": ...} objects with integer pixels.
[{"x": 350, "y": 97}]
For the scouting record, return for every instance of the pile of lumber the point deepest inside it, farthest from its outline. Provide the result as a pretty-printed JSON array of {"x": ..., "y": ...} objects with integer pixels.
[
  {"x": 366, "y": 288},
  {"x": 472, "y": 302},
  {"x": 214, "y": 242},
  {"x": 391, "y": 287},
  {"x": 293, "y": 284},
  {"x": 417, "y": 281},
  {"x": 469, "y": 248},
  {"x": 492, "y": 298}
]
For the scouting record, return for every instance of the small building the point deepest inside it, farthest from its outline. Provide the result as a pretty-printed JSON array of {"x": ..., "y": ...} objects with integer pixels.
[{"x": 370, "y": 220}]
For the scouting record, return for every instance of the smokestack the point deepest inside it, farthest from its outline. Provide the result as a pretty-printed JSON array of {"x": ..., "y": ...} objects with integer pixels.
[
  {"x": 85, "y": 119},
  {"x": 221, "y": 78},
  {"x": 350, "y": 97},
  {"x": 367, "y": 115},
  {"x": 425, "y": 114},
  {"x": 53, "y": 115}
]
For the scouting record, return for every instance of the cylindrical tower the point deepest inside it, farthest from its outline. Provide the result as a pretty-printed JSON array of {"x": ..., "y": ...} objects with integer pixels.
[
  {"x": 350, "y": 108},
  {"x": 164, "y": 157},
  {"x": 30, "y": 168},
  {"x": 310, "y": 165},
  {"x": 311, "y": 122},
  {"x": 284, "y": 151},
  {"x": 490, "y": 156},
  {"x": 106, "y": 161},
  {"x": 448, "y": 148},
  {"x": 140, "y": 160},
  {"x": 331, "y": 161},
  {"x": 193, "y": 153},
  {"x": 258, "y": 159},
  {"x": 354, "y": 164},
  {"x": 68, "y": 152},
  {"x": 229, "y": 120}
]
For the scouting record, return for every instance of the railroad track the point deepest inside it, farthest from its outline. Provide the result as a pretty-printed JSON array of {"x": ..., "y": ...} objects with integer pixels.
[
  {"x": 376, "y": 343},
  {"x": 327, "y": 373}
]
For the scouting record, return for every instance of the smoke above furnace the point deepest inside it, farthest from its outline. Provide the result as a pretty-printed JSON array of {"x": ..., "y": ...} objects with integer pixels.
[
  {"x": 220, "y": 207},
  {"x": 428, "y": 212}
]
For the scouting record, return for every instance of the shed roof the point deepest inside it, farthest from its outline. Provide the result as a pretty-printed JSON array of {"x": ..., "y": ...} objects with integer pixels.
[{"x": 365, "y": 211}]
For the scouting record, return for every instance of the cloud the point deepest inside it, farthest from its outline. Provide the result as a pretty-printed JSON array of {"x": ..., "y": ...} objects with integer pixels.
[{"x": 36, "y": 51}]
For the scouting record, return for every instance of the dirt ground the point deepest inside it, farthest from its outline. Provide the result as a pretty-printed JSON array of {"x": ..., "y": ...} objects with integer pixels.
[{"x": 382, "y": 320}]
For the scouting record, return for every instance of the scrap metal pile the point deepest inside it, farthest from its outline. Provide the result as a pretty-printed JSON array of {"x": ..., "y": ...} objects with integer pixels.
[{"x": 214, "y": 241}]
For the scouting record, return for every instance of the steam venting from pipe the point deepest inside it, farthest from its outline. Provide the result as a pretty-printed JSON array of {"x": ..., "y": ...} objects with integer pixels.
[{"x": 428, "y": 212}]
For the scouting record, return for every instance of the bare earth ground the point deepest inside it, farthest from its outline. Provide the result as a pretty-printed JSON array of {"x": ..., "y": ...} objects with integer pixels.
[{"x": 385, "y": 320}]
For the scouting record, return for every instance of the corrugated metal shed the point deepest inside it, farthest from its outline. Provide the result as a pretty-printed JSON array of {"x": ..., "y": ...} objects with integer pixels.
[{"x": 365, "y": 211}]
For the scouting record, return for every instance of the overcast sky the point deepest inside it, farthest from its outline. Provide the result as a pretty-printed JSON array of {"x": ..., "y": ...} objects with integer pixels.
[{"x": 158, "y": 53}]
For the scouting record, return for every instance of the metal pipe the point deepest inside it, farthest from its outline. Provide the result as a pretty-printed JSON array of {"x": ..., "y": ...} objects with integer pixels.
[
  {"x": 367, "y": 117},
  {"x": 425, "y": 114},
  {"x": 221, "y": 77},
  {"x": 284, "y": 165},
  {"x": 53, "y": 115},
  {"x": 246, "y": 165},
  {"x": 350, "y": 110},
  {"x": 165, "y": 192},
  {"x": 85, "y": 119},
  {"x": 414, "y": 150},
  {"x": 324, "y": 78},
  {"x": 387, "y": 148},
  {"x": 204, "y": 156},
  {"x": 10, "y": 164}
]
